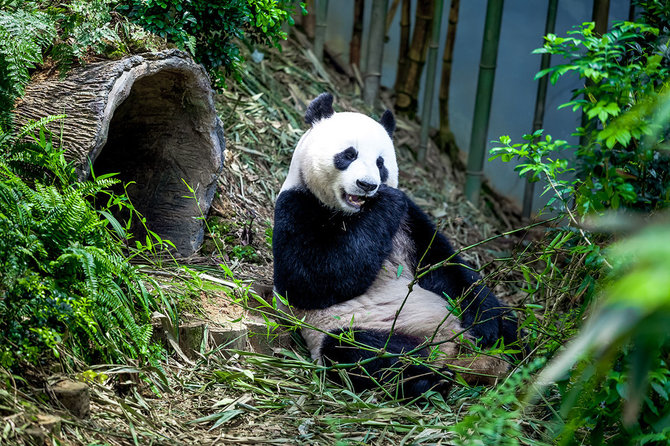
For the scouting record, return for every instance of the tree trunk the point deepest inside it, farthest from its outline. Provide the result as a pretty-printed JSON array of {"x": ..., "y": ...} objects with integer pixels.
[
  {"x": 446, "y": 136},
  {"x": 403, "y": 61},
  {"x": 408, "y": 93},
  {"x": 375, "y": 52},
  {"x": 357, "y": 34},
  {"x": 320, "y": 32},
  {"x": 309, "y": 21},
  {"x": 151, "y": 118},
  {"x": 483, "y": 97},
  {"x": 429, "y": 89},
  {"x": 391, "y": 15},
  {"x": 540, "y": 102},
  {"x": 601, "y": 11}
]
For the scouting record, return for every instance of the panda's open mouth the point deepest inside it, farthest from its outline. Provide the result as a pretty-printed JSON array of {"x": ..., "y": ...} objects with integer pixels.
[{"x": 355, "y": 201}]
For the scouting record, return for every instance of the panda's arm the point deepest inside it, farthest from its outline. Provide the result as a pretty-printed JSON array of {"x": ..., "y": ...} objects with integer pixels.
[
  {"x": 322, "y": 257},
  {"x": 481, "y": 310}
]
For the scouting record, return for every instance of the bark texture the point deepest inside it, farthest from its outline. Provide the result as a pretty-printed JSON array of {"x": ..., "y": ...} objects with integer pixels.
[
  {"x": 446, "y": 137},
  {"x": 403, "y": 49},
  {"x": 151, "y": 118},
  {"x": 407, "y": 91},
  {"x": 357, "y": 34}
]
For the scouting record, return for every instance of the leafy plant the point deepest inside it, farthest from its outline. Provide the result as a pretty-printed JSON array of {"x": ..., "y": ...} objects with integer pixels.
[
  {"x": 612, "y": 380},
  {"x": 495, "y": 418},
  {"x": 34, "y": 30},
  {"x": 24, "y": 34},
  {"x": 617, "y": 164},
  {"x": 210, "y": 30},
  {"x": 65, "y": 280},
  {"x": 623, "y": 394}
]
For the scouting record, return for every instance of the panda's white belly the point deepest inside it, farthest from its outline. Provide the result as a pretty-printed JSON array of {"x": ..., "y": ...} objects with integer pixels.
[{"x": 388, "y": 304}]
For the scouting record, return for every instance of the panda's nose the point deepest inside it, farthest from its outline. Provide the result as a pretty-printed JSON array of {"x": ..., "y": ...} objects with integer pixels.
[{"x": 365, "y": 186}]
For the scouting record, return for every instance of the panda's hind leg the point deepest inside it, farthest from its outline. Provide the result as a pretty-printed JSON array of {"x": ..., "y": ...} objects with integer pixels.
[{"x": 371, "y": 360}]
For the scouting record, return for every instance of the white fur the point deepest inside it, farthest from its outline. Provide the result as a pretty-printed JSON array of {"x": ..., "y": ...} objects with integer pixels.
[{"x": 312, "y": 164}]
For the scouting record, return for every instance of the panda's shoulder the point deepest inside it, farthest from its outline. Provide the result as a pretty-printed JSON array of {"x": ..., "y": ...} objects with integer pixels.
[
  {"x": 298, "y": 205},
  {"x": 390, "y": 203}
]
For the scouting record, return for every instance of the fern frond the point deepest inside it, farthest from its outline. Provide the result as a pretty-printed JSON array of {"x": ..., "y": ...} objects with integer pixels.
[
  {"x": 23, "y": 34},
  {"x": 41, "y": 123}
]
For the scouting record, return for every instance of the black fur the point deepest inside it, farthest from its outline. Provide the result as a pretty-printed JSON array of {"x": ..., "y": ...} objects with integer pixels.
[
  {"x": 343, "y": 159},
  {"x": 320, "y": 108},
  {"x": 415, "y": 380},
  {"x": 383, "y": 171},
  {"x": 388, "y": 122},
  {"x": 482, "y": 312},
  {"x": 321, "y": 256}
]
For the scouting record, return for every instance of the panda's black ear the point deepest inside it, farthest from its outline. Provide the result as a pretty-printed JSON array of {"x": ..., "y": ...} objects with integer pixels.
[
  {"x": 320, "y": 108},
  {"x": 388, "y": 122}
]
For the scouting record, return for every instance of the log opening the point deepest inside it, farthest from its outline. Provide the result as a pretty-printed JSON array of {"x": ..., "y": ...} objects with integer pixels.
[{"x": 150, "y": 118}]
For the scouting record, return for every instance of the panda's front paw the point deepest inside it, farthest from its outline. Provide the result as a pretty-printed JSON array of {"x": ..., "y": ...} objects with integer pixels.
[
  {"x": 440, "y": 382},
  {"x": 488, "y": 330}
]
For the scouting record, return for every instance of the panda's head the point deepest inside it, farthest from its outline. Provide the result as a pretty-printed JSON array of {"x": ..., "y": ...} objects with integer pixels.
[{"x": 343, "y": 158}]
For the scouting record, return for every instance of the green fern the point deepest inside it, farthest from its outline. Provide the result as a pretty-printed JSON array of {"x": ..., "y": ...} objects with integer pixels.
[
  {"x": 65, "y": 277},
  {"x": 23, "y": 35}
]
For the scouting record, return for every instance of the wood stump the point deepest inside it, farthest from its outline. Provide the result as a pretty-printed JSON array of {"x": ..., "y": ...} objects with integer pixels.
[
  {"x": 149, "y": 117},
  {"x": 74, "y": 396}
]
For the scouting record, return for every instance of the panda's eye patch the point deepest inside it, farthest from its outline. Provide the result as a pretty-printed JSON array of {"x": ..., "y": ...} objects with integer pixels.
[
  {"x": 350, "y": 154},
  {"x": 383, "y": 171},
  {"x": 344, "y": 158}
]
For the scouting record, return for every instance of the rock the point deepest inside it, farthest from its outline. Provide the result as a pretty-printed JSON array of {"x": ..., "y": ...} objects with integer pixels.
[{"x": 74, "y": 396}]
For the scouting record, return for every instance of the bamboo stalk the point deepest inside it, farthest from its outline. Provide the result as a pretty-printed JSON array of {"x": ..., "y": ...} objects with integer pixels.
[
  {"x": 309, "y": 21},
  {"x": 357, "y": 34},
  {"x": 391, "y": 14},
  {"x": 480, "y": 121},
  {"x": 408, "y": 91},
  {"x": 538, "y": 117},
  {"x": 403, "y": 49},
  {"x": 375, "y": 52},
  {"x": 430, "y": 80},
  {"x": 320, "y": 32},
  {"x": 600, "y": 16},
  {"x": 446, "y": 137}
]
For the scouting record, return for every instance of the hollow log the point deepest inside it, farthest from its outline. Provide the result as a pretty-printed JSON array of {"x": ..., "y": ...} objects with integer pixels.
[{"x": 149, "y": 117}]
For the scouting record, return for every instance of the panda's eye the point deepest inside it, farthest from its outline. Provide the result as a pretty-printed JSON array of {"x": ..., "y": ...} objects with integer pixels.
[
  {"x": 343, "y": 159},
  {"x": 383, "y": 171}
]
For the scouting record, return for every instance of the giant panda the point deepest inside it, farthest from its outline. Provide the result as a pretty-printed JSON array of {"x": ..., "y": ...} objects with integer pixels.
[{"x": 347, "y": 243}]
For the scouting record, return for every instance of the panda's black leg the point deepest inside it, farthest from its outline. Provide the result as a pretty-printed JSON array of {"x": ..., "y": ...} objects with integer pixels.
[{"x": 381, "y": 363}]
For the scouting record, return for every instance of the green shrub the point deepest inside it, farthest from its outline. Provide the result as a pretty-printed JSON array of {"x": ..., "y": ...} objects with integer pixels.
[
  {"x": 24, "y": 34},
  {"x": 211, "y": 30},
  {"x": 617, "y": 163},
  {"x": 65, "y": 281},
  {"x": 66, "y": 32},
  {"x": 613, "y": 380}
]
